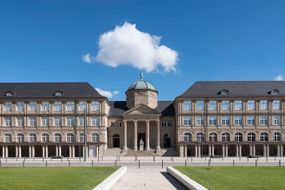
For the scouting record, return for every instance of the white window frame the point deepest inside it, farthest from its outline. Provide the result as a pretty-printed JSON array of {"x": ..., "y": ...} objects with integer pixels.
[
  {"x": 238, "y": 105},
  {"x": 250, "y": 104},
  {"x": 225, "y": 105},
  {"x": 187, "y": 120},
  {"x": 187, "y": 105},
  {"x": 199, "y": 105},
  {"x": 263, "y": 105},
  {"x": 212, "y": 105}
]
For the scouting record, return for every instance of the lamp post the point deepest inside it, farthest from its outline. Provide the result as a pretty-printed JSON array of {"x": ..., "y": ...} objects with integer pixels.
[{"x": 85, "y": 139}]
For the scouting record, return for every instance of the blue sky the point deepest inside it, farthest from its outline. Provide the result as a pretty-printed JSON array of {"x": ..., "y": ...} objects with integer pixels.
[{"x": 44, "y": 40}]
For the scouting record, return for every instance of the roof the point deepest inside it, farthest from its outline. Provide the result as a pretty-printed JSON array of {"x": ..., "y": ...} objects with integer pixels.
[
  {"x": 210, "y": 89},
  {"x": 166, "y": 108},
  {"x": 48, "y": 90},
  {"x": 141, "y": 84}
]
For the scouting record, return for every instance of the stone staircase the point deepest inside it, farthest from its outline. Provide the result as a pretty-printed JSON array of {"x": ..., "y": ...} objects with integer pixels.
[
  {"x": 131, "y": 153},
  {"x": 113, "y": 152},
  {"x": 169, "y": 152}
]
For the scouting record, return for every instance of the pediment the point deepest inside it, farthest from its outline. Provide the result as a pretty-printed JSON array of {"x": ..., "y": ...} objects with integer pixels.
[{"x": 141, "y": 109}]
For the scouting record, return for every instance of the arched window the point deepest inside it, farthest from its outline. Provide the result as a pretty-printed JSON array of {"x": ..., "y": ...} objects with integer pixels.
[
  {"x": 238, "y": 137},
  {"x": 70, "y": 138},
  {"x": 213, "y": 137},
  {"x": 82, "y": 137},
  {"x": 45, "y": 138},
  {"x": 263, "y": 136},
  {"x": 8, "y": 138},
  {"x": 33, "y": 138},
  {"x": 226, "y": 137},
  {"x": 95, "y": 137},
  {"x": 277, "y": 137},
  {"x": 20, "y": 137},
  {"x": 187, "y": 137},
  {"x": 200, "y": 137},
  {"x": 251, "y": 137},
  {"x": 57, "y": 138}
]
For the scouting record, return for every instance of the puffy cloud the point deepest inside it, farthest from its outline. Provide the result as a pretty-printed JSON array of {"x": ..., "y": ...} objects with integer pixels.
[
  {"x": 87, "y": 58},
  {"x": 126, "y": 45},
  {"x": 279, "y": 77},
  {"x": 106, "y": 93}
]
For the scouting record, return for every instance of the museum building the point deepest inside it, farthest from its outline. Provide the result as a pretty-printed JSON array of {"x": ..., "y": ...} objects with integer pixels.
[{"x": 211, "y": 118}]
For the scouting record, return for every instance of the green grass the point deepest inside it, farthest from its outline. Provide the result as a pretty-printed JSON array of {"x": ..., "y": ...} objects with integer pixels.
[
  {"x": 74, "y": 178},
  {"x": 237, "y": 178}
]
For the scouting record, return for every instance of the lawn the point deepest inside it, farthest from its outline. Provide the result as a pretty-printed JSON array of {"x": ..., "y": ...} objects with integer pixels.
[
  {"x": 237, "y": 178},
  {"x": 73, "y": 178}
]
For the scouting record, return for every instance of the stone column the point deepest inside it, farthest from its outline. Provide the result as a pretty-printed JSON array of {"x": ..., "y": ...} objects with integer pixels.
[
  {"x": 69, "y": 147},
  {"x": 56, "y": 150},
  {"x": 147, "y": 135},
  {"x": 20, "y": 152},
  {"x": 125, "y": 135},
  {"x": 240, "y": 151},
  {"x": 237, "y": 152},
  {"x": 267, "y": 150},
  {"x": 250, "y": 150},
  {"x": 253, "y": 149},
  {"x": 278, "y": 150},
  {"x": 30, "y": 151},
  {"x": 213, "y": 150},
  {"x": 17, "y": 152},
  {"x": 3, "y": 151},
  {"x": 46, "y": 151},
  {"x": 7, "y": 152},
  {"x": 227, "y": 150},
  {"x": 281, "y": 150},
  {"x": 185, "y": 151},
  {"x": 33, "y": 151},
  {"x": 158, "y": 136},
  {"x": 210, "y": 150},
  {"x": 199, "y": 151},
  {"x": 196, "y": 151},
  {"x": 264, "y": 150},
  {"x": 59, "y": 150},
  {"x": 73, "y": 151},
  {"x": 224, "y": 150},
  {"x": 43, "y": 149},
  {"x": 135, "y": 135}
]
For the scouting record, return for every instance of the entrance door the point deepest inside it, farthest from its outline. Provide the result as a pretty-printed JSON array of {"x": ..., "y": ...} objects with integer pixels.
[
  {"x": 116, "y": 141},
  {"x": 141, "y": 136},
  {"x": 166, "y": 141}
]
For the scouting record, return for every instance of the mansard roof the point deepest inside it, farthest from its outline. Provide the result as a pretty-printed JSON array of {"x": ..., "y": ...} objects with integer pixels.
[
  {"x": 215, "y": 89},
  {"x": 165, "y": 108},
  {"x": 48, "y": 90}
]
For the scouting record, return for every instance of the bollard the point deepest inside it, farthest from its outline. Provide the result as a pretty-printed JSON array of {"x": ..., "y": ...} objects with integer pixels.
[
  {"x": 115, "y": 162},
  {"x": 153, "y": 158},
  {"x": 233, "y": 162},
  {"x": 161, "y": 163},
  {"x": 23, "y": 164},
  {"x": 136, "y": 158},
  {"x": 139, "y": 164},
  {"x": 0, "y": 163},
  {"x": 191, "y": 158},
  {"x": 209, "y": 163},
  {"x": 240, "y": 158},
  {"x": 46, "y": 163},
  {"x": 102, "y": 158},
  {"x": 279, "y": 162},
  {"x": 6, "y": 159},
  {"x": 266, "y": 158},
  {"x": 185, "y": 163},
  {"x": 68, "y": 163},
  {"x": 172, "y": 159},
  {"x": 247, "y": 159},
  {"x": 256, "y": 162},
  {"x": 61, "y": 159},
  {"x": 98, "y": 159},
  {"x": 92, "y": 163}
]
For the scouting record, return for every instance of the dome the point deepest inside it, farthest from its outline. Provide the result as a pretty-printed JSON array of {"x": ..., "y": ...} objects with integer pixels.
[{"x": 141, "y": 84}]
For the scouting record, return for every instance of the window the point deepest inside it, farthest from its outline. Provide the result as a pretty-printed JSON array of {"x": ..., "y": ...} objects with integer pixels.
[
  {"x": 58, "y": 93},
  {"x": 82, "y": 106},
  {"x": 225, "y": 105},
  {"x": 57, "y": 121},
  {"x": 82, "y": 137},
  {"x": 165, "y": 124},
  {"x": 81, "y": 121},
  {"x": 20, "y": 138},
  {"x": 212, "y": 105},
  {"x": 32, "y": 121},
  {"x": 238, "y": 137},
  {"x": 263, "y": 120},
  {"x": 70, "y": 106},
  {"x": 45, "y": 138},
  {"x": 20, "y": 121},
  {"x": 45, "y": 121},
  {"x": 7, "y": 121},
  {"x": 263, "y": 105},
  {"x": 200, "y": 137},
  {"x": 187, "y": 120},
  {"x": 7, "y": 107},
  {"x": 212, "y": 120},
  {"x": 276, "y": 105},
  {"x": 200, "y": 105},
  {"x": 33, "y": 106},
  {"x": 95, "y": 121},
  {"x": 250, "y": 120},
  {"x": 199, "y": 120},
  {"x": 226, "y": 137},
  {"x": 57, "y": 106},
  {"x": 225, "y": 120},
  {"x": 187, "y": 105},
  {"x": 213, "y": 137},
  {"x": 250, "y": 105},
  {"x": 224, "y": 92},
  {"x": 95, "y": 106},
  {"x": 277, "y": 137},
  {"x": 33, "y": 138},
  {"x": 70, "y": 138},
  {"x": 57, "y": 138},
  {"x": 275, "y": 120},
  {"x": 237, "y": 120},
  {"x": 263, "y": 136},
  {"x": 70, "y": 121},
  {"x": 251, "y": 137},
  {"x": 45, "y": 106},
  {"x": 20, "y": 107},
  {"x": 9, "y": 94},
  {"x": 237, "y": 105},
  {"x": 95, "y": 137},
  {"x": 187, "y": 137},
  {"x": 8, "y": 138}
]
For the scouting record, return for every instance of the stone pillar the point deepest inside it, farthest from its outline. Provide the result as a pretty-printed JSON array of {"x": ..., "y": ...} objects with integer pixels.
[
  {"x": 240, "y": 151},
  {"x": 135, "y": 135},
  {"x": 199, "y": 151},
  {"x": 264, "y": 150},
  {"x": 125, "y": 135},
  {"x": 185, "y": 151},
  {"x": 181, "y": 151},
  {"x": 20, "y": 152},
  {"x": 224, "y": 150},
  {"x": 46, "y": 151},
  {"x": 237, "y": 151},
  {"x": 33, "y": 151},
  {"x": 73, "y": 151},
  {"x": 196, "y": 151},
  {"x": 30, "y": 151},
  {"x": 59, "y": 150},
  {"x": 147, "y": 135},
  {"x": 69, "y": 147},
  {"x": 267, "y": 150},
  {"x": 43, "y": 149},
  {"x": 158, "y": 135},
  {"x": 281, "y": 150},
  {"x": 213, "y": 150},
  {"x": 3, "y": 151},
  {"x": 7, "y": 152},
  {"x": 250, "y": 150},
  {"x": 227, "y": 150},
  {"x": 17, "y": 152},
  {"x": 56, "y": 150},
  {"x": 253, "y": 149},
  {"x": 210, "y": 150}
]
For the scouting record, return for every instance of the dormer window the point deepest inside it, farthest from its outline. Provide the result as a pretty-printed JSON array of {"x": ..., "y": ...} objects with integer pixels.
[
  {"x": 58, "y": 93},
  {"x": 9, "y": 94},
  {"x": 224, "y": 92},
  {"x": 274, "y": 92}
]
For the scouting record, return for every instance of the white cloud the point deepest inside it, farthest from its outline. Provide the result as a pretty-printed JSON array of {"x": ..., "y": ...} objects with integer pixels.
[
  {"x": 279, "y": 77},
  {"x": 106, "y": 93},
  {"x": 87, "y": 58},
  {"x": 126, "y": 45}
]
